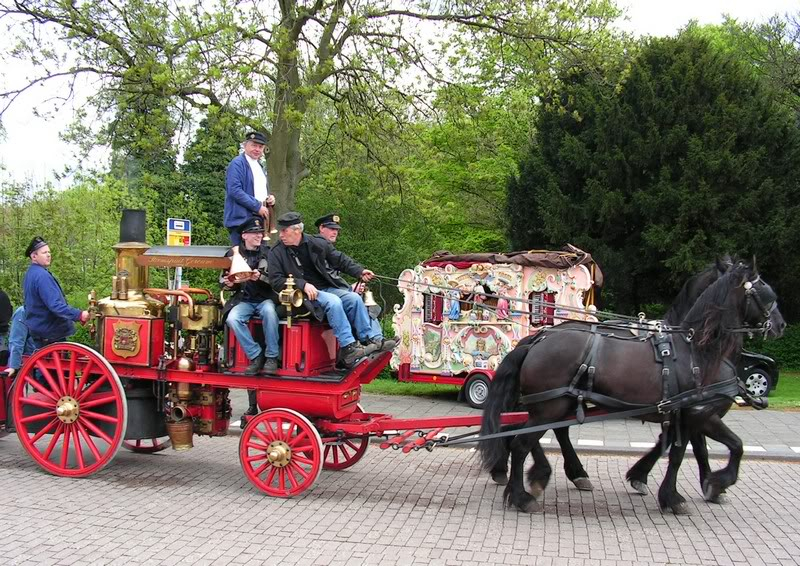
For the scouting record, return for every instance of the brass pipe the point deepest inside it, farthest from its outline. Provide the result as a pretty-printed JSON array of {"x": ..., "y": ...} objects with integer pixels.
[
  {"x": 196, "y": 291},
  {"x": 176, "y": 293}
]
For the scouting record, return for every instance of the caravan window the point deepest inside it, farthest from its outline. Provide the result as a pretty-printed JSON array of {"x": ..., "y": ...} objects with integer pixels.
[
  {"x": 433, "y": 308},
  {"x": 542, "y": 308}
]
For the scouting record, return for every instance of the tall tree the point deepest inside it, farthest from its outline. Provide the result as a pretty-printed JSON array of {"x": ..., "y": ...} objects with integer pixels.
[
  {"x": 688, "y": 157},
  {"x": 269, "y": 63}
]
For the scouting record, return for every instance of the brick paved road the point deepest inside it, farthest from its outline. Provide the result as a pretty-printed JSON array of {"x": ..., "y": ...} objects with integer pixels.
[{"x": 197, "y": 508}]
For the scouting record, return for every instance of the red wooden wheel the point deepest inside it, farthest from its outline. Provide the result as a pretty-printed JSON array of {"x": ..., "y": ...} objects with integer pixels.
[
  {"x": 281, "y": 452},
  {"x": 70, "y": 409},
  {"x": 148, "y": 445},
  {"x": 342, "y": 454}
]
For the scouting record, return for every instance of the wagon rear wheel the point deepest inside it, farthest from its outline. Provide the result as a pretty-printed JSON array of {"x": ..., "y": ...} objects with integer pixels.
[
  {"x": 281, "y": 452},
  {"x": 148, "y": 445},
  {"x": 341, "y": 454},
  {"x": 70, "y": 409}
]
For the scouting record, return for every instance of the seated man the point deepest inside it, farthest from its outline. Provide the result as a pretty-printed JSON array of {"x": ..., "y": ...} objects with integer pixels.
[
  {"x": 253, "y": 296},
  {"x": 305, "y": 259},
  {"x": 329, "y": 227}
]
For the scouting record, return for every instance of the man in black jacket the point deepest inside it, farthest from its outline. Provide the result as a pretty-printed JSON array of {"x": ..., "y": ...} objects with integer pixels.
[
  {"x": 306, "y": 259},
  {"x": 254, "y": 296},
  {"x": 329, "y": 227}
]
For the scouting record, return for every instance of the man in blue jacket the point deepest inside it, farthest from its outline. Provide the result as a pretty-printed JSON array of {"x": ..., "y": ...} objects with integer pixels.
[
  {"x": 20, "y": 344},
  {"x": 47, "y": 315},
  {"x": 246, "y": 186}
]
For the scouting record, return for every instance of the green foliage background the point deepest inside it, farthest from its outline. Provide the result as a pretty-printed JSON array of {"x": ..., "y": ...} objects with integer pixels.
[{"x": 654, "y": 155}]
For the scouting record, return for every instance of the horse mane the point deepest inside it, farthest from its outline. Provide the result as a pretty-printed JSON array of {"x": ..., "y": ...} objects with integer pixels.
[
  {"x": 693, "y": 288},
  {"x": 711, "y": 317}
]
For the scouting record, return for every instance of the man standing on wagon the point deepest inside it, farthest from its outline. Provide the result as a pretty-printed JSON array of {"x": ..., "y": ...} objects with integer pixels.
[
  {"x": 246, "y": 187},
  {"x": 47, "y": 315},
  {"x": 305, "y": 259}
]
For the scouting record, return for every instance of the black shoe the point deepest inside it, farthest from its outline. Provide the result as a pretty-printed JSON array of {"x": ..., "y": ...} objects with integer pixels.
[
  {"x": 255, "y": 365},
  {"x": 251, "y": 411},
  {"x": 382, "y": 344},
  {"x": 271, "y": 365},
  {"x": 350, "y": 354}
]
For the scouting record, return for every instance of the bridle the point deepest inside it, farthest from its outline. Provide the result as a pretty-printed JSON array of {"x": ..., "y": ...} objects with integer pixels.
[{"x": 752, "y": 296}]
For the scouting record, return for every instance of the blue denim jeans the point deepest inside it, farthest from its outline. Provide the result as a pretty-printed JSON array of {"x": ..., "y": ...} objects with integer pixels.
[
  {"x": 237, "y": 321},
  {"x": 357, "y": 314}
]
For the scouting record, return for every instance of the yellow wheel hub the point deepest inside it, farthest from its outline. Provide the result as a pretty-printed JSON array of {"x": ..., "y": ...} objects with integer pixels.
[
  {"x": 67, "y": 409},
  {"x": 279, "y": 453}
]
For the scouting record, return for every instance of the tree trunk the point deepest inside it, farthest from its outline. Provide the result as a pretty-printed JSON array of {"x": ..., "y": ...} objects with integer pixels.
[{"x": 285, "y": 164}]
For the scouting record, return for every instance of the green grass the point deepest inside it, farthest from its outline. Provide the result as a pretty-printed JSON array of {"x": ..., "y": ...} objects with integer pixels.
[
  {"x": 393, "y": 387},
  {"x": 787, "y": 394}
]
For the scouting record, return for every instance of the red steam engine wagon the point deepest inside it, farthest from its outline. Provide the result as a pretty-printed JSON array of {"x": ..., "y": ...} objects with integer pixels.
[
  {"x": 459, "y": 318},
  {"x": 157, "y": 372}
]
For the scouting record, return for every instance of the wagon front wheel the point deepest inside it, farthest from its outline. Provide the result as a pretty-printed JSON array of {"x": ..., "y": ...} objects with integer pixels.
[
  {"x": 70, "y": 409},
  {"x": 281, "y": 452}
]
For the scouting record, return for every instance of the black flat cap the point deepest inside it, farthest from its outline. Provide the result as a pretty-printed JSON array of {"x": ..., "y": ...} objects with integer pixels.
[
  {"x": 257, "y": 137},
  {"x": 254, "y": 224},
  {"x": 329, "y": 221},
  {"x": 289, "y": 219},
  {"x": 36, "y": 243}
]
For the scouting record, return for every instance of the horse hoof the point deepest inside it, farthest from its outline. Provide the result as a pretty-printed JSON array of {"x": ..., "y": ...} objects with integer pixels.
[
  {"x": 681, "y": 508},
  {"x": 583, "y": 484},
  {"x": 640, "y": 487},
  {"x": 537, "y": 489},
  {"x": 500, "y": 478},
  {"x": 711, "y": 492},
  {"x": 530, "y": 506}
]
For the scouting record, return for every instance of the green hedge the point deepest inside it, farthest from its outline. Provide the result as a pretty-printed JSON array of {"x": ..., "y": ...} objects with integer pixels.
[{"x": 786, "y": 351}]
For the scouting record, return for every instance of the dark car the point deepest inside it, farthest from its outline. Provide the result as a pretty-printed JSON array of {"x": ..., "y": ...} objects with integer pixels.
[{"x": 758, "y": 372}]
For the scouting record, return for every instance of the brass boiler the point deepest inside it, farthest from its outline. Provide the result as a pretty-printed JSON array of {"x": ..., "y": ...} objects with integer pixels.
[
  {"x": 203, "y": 316},
  {"x": 194, "y": 316}
]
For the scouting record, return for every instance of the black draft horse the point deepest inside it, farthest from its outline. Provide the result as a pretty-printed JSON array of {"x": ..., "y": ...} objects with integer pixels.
[
  {"x": 627, "y": 371},
  {"x": 540, "y": 474}
]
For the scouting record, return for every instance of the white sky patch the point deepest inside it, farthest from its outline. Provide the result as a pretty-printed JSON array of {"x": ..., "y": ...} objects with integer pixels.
[{"x": 33, "y": 149}]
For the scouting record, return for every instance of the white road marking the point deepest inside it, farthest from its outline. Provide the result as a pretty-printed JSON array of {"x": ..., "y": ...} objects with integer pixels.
[
  {"x": 754, "y": 449},
  {"x": 642, "y": 444},
  {"x": 795, "y": 449},
  {"x": 587, "y": 442}
]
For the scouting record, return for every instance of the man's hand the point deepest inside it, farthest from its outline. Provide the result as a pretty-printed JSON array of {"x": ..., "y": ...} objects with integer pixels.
[
  {"x": 84, "y": 317},
  {"x": 229, "y": 281},
  {"x": 263, "y": 211},
  {"x": 271, "y": 200},
  {"x": 359, "y": 287},
  {"x": 310, "y": 291},
  {"x": 255, "y": 276},
  {"x": 9, "y": 372},
  {"x": 367, "y": 275}
]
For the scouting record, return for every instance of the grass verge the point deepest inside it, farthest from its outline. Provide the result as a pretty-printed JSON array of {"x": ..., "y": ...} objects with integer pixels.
[
  {"x": 787, "y": 394},
  {"x": 393, "y": 387}
]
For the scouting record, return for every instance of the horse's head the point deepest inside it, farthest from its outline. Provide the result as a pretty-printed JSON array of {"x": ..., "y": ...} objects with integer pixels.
[{"x": 761, "y": 306}]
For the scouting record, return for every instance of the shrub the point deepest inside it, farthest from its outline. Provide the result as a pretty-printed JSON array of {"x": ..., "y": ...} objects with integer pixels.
[{"x": 786, "y": 351}]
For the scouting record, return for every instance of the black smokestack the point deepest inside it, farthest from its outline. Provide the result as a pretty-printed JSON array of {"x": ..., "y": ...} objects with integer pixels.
[{"x": 132, "y": 227}]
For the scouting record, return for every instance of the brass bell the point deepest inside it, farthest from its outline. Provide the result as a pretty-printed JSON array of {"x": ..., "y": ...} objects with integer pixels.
[
  {"x": 369, "y": 299},
  {"x": 239, "y": 271}
]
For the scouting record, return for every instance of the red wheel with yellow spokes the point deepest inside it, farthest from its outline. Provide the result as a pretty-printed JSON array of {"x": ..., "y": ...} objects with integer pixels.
[
  {"x": 69, "y": 409},
  {"x": 281, "y": 452},
  {"x": 343, "y": 453},
  {"x": 148, "y": 445}
]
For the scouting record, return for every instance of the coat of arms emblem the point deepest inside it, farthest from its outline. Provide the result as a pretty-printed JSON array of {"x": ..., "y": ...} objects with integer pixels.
[{"x": 126, "y": 343}]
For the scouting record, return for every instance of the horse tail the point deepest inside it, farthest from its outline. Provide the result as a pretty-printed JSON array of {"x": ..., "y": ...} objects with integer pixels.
[{"x": 503, "y": 395}]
